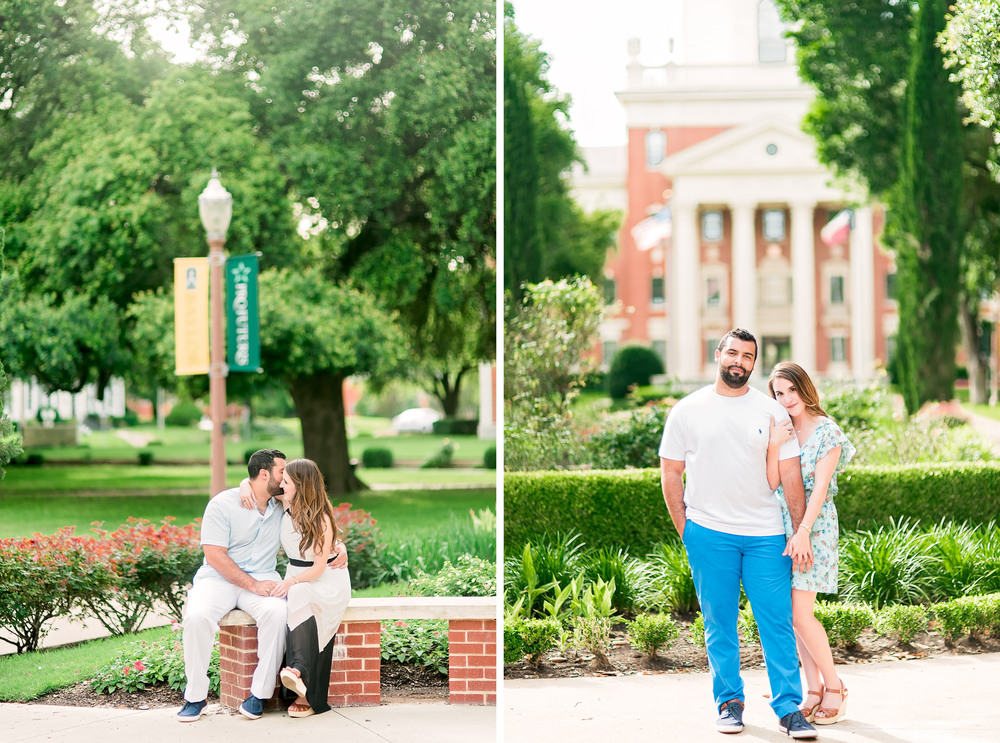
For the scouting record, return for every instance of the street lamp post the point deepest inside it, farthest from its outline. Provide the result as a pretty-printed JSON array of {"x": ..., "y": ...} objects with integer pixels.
[{"x": 215, "y": 206}]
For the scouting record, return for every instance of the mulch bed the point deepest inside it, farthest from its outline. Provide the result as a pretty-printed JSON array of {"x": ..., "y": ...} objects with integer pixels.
[
  {"x": 400, "y": 684},
  {"x": 685, "y": 657}
]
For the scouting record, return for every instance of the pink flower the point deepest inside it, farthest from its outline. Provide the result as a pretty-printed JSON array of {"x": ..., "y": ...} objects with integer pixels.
[
  {"x": 400, "y": 624},
  {"x": 139, "y": 666},
  {"x": 125, "y": 670}
]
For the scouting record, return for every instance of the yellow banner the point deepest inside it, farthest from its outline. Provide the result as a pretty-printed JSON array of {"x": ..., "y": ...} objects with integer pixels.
[{"x": 191, "y": 315}]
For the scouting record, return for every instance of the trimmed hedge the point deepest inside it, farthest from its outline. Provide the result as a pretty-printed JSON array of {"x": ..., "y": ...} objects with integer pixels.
[
  {"x": 625, "y": 507},
  {"x": 456, "y": 427}
]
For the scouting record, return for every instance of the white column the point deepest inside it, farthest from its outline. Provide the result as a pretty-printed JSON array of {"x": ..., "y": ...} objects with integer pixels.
[
  {"x": 685, "y": 303},
  {"x": 803, "y": 287},
  {"x": 744, "y": 278},
  {"x": 862, "y": 296}
]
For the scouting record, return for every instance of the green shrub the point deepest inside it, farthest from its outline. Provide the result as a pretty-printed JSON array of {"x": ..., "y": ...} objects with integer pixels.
[
  {"x": 456, "y": 427},
  {"x": 697, "y": 632},
  {"x": 140, "y": 665},
  {"x": 593, "y": 633},
  {"x": 650, "y": 632},
  {"x": 844, "y": 622},
  {"x": 363, "y": 538},
  {"x": 145, "y": 458},
  {"x": 469, "y": 576},
  {"x": 541, "y": 567},
  {"x": 901, "y": 622},
  {"x": 886, "y": 566},
  {"x": 419, "y": 642},
  {"x": 441, "y": 458},
  {"x": 429, "y": 551},
  {"x": 609, "y": 564},
  {"x": 973, "y": 615},
  {"x": 490, "y": 458},
  {"x": 377, "y": 457},
  {"x": 628, "y": 439},
  {"x": 183, "y": 414},
  {"x": 528, "y": 637},
  {"x": 747, "y": 624},
  {"x": 632, "y": 365},
  {"x": 669, "y": 584}
]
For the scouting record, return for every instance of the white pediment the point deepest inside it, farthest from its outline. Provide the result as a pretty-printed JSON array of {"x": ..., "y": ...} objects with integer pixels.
[{"x": 761, "y": 148}]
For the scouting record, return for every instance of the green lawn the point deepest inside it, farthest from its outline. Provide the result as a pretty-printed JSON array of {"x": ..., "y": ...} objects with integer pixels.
[{"x": 399, "y": 513}]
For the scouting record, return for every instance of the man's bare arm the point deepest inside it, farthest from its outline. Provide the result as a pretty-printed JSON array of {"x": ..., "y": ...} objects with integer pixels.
[
  {"x": 799, "y": 546},
  {"x": 672, "y": 482},
  {"x": 218, "y": 557}
]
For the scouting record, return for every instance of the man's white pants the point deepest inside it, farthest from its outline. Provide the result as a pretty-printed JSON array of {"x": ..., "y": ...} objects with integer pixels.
[{"x": 208, "y": 601}]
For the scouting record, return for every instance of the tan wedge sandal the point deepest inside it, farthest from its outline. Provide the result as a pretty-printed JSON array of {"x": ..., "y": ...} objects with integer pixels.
[
  {"x": 810, "y": 712},
  {"x": 826, "y": 716}
]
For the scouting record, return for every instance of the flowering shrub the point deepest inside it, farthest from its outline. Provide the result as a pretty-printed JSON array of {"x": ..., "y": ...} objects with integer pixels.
[
  {"x": 151, "y": 563},
  {"x": 43, "y": 577},
  {"x": 420, "y": 642},
  {"x": 139, "y": 665},
  {"x": 358, "y": 530}
]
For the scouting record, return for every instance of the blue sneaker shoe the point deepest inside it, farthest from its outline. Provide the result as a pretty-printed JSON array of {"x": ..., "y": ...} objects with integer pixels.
[
  {"x": 191, "y": 711},
  {"x": 252, "y": 707},
  {"x": 794, "y": 725},
  {"x": 730, "y": 717}
]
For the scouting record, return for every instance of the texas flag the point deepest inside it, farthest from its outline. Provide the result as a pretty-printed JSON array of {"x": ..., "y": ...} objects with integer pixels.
[
  {"x": 652, "y": 229},
  {"x": 838, "y": 228}
]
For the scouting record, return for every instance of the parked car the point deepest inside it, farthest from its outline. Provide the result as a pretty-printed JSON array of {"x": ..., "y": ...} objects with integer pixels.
[{"x": 416, "y": 420}]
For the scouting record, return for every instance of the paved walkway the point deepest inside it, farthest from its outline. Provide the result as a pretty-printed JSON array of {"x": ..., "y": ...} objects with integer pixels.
[
  {"x": 393, "y": 723},
  {"x": 943, "y": 699}
]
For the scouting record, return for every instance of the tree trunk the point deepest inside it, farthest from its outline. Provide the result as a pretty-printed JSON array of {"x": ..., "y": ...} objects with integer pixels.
[
  {"x": 968, "y": 316},
  {"x": 447, "y": 391},
  {"x": 319, "y": 403}
]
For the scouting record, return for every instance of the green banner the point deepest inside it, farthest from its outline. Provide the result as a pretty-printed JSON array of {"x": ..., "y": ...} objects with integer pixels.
[{"x": 243, "y": 325}]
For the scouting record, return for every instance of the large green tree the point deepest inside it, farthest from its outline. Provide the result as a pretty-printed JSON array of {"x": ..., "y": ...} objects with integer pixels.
[
  {"x": 546, "y": 234},
  {"x": 9, "y": 442}
]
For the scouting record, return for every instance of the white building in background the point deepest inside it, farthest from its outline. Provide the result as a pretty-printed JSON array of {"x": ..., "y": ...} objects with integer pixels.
[
  {"x": 23, "y": 401},
  {"x": 715, "y": 135}
]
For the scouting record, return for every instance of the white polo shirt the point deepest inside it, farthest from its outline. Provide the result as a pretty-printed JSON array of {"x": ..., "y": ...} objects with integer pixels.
[
  {"x": 723, "y": 444},
  {"x": 250, "y": 537}
]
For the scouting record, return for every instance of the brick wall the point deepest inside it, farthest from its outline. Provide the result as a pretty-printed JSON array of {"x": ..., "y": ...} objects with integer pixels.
[{"x": 472, "y": 661}]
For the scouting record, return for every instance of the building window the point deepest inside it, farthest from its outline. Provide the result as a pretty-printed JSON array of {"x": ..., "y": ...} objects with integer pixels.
[
  {"x": 657, "y": 291},
  {"x": 773, "y": 350},
  {"x": 770, "y": 33},
  {"x": 713, "y": 292},
  {"x": 656, "y": 147},
  {"x": 838, "y": 350},
  {"x": 775, "y": 290},
  {"x": 836, "y": 290},
  {"x": 890, "y": 287},
  {"x": 608, "y": 351},
  {"x": 711, "y": 346},
  {"x": 774, "y": 224},
  {"x": 660, "y": 349},
  {"x": 711, "y": 226},
  {"x": 609, "y": 290}
]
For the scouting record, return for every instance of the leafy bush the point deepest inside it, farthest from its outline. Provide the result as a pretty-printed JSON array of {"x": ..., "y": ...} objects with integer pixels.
[
  {"x": 377, "y": 457},
  {"x": 957, "y": 569},
  {"x": 973, "y": 615},
  {"x": 696, "y": 634},
  {"x": 858, "y": 408},
  {"x": 490, "y": 458},
  {"x": 145, "y": 458},
  {"x": 185, "y": 413},
  {"x": 361, "y": 535},
  {"x": 418, "y": 642},
  {"x": 538, "y": 438},
  {"x": 456, "y": 427},
  {"x": 844, "y": 622},
  {"x": 430, "y": 551},
  {"x": 630, "y": 439},
  {"x": 528, "y": 637},
  {"x": 918, "y": 442},
  {"x": 44, "y": 577},
  {"x": 541, "y": 568},
  {"x": 901, "y": 622},
  {"x": 609, "y": 564},
  {"x": 669, "y": 583},
  {"x": 887, "y": 566},
  {"x": 593, "y": 633},
  {"x": 650, "y": 632},
  {"x": 441, "y": 458},
  {"x": 747, "y": 624},
  {"x": 631, "y": 366},
  {"x": 140, "y": 665},
  {"x": 470, "y": 576}
]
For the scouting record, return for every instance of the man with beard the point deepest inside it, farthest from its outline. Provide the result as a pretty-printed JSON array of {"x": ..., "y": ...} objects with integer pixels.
[
  {"x": 241, "y": 546},
  {"x": 730, "y": 522}
]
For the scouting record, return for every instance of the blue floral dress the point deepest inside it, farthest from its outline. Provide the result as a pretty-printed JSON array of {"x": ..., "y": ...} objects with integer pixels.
[{"x": 822, "y": 577}]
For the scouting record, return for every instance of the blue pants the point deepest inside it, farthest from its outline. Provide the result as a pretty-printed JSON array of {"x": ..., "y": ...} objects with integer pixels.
[{"x": 719, "y": 562}]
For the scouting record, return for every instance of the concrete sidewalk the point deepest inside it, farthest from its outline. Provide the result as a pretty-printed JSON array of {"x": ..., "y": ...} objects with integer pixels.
[
  {"x": 393, "y": 723},
  {"x": 934, "y": 700}
]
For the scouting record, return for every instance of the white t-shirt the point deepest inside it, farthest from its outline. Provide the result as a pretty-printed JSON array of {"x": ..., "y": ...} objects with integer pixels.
[{"x": 723, "y": 444}]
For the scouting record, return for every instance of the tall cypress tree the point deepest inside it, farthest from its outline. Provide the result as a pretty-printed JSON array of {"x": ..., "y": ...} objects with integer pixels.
[{"x": 926, "y": 227}]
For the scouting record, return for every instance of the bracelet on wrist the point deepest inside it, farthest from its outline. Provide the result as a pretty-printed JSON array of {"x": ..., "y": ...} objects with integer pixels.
[{"x": 807, "y": 528}]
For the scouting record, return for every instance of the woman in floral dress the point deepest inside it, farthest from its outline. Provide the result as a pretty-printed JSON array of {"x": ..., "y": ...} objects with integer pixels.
[{"x": 825, "y": 453}]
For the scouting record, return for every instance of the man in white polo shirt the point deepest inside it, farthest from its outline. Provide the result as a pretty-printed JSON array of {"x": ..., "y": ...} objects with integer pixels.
[{"x": 730, "y": 522}]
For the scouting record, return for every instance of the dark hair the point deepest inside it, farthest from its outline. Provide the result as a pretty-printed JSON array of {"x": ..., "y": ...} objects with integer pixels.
[
  {"x": 312, "y": 509},
  {"x": 792, "y": 372},
  {"x": 739, "y": 334},
  {"x": 263, "y": 459}
]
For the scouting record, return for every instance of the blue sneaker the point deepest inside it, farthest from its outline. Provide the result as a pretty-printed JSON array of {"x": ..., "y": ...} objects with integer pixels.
[
  {"x": 730, "y": 717},
  {"x": 191, "y": 711},
  {"x": 252, "y": 707},
  {"x": 794, "y": 725}
]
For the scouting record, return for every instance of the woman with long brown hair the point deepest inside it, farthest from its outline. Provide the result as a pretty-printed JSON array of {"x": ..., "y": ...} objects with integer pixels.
[
  {"x": 825, "y": 452},
  {"x": 317, "y": 597}
]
